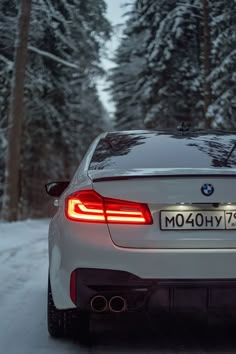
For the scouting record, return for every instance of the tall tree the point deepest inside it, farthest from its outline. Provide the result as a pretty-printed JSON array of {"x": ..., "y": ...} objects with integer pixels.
[
  {"x": 222, "y": 77},
  {"x": 206, "y": 62},
  {"x": 167, "y": 84},
  {"x": 187, "y": 68},
  {"x": 130, "y": 65},
  {"x": 12, "y": 177},
  {"x": 65, "y": 45}
]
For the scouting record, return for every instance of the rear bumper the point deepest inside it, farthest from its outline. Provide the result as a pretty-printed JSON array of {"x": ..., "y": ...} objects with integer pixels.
[
  {"x": 154, "y": 269},
  {"x": 155, "y": 294},
  {"x": 70, "y": 250}
]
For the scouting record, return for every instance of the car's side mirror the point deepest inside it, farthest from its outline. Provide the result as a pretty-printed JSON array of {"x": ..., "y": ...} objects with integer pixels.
[{"x": 55, "y": 189}]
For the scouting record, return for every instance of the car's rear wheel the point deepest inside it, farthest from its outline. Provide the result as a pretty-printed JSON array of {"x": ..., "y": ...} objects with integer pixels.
[{"x": 67, "y": 323}]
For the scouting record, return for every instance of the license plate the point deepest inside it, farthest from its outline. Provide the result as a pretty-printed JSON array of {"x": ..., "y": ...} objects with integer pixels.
[{"x": 198, "y": 220}]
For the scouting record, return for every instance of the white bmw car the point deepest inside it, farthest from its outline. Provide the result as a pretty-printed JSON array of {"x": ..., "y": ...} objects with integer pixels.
[{"x": 148, "y": 219}]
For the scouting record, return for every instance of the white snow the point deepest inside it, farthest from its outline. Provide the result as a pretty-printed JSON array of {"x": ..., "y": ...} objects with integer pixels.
[
  {"x": 9, "y": 63},
  {"x": 53, "y": 57},
  {"x": 23, "y": 279},
  {"x": 23, "y": 292}
]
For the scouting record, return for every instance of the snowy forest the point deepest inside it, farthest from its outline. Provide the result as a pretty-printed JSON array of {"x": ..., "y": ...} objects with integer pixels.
[
  {"x": 62, "y": 109},
  {"x": 176, "y": 62}
]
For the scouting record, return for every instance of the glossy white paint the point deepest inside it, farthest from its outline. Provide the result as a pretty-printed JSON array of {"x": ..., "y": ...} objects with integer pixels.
[{"x": 144, "y": 250}]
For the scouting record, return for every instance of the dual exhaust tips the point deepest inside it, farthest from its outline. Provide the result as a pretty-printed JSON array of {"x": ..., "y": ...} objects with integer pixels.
[{"x": 100, "y": 304}]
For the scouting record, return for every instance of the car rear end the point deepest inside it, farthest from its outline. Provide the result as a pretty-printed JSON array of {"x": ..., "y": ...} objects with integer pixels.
[{"x": 149, "y": 223}]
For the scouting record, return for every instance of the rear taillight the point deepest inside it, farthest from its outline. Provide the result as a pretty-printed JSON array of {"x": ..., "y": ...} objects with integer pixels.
[{"x": 89, "y": 206}]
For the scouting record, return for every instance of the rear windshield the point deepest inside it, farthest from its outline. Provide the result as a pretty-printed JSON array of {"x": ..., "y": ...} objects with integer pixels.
[{"x": 155, "y": 150}]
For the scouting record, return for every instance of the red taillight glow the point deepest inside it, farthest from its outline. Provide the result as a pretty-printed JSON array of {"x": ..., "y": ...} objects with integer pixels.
[{"x": 89, "y": 206}]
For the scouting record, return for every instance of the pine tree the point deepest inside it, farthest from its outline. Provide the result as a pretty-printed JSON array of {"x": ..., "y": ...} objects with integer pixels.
[
  {"x": 74, "y": 32},
  {"x": 167, "y": 83},
  {"x": 66, "y": 42},
  {"x": 223, "y": 55},
  {"x": 187, "y": 72},
  {"x": 7, "y": 16},
  {"x": 130, "y": 64},
  {"x": 16, "y": 113}
]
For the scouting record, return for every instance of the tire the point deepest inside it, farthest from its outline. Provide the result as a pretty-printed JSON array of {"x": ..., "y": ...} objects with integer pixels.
[{"x": 67, "y": 323}]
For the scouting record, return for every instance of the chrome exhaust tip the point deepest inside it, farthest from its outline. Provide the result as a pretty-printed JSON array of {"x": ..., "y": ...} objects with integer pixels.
[
  {"x": 117, "y": 304},
  {"x": 98, "y": 303}
]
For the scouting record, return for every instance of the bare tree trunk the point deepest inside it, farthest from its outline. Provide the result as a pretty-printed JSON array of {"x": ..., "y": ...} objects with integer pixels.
[
  {"x": 206, "y": 62},
  {"x": 12, "y": 176}
]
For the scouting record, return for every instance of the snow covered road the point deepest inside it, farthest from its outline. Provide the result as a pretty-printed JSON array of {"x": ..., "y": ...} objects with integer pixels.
[{"x": 23, "y": 277}]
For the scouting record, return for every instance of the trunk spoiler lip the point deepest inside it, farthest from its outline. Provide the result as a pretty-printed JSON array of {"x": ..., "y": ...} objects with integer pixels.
[
  {"x": 116, "y": 175},
  {"x": 123, "y": 178}
]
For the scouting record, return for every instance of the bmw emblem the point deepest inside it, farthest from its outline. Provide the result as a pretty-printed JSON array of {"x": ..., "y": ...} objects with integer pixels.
[{"x": 207, "y": 189}]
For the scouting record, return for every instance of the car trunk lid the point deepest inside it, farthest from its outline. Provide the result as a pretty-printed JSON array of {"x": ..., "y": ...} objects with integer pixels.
[{"x": 183, "y": 216}]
